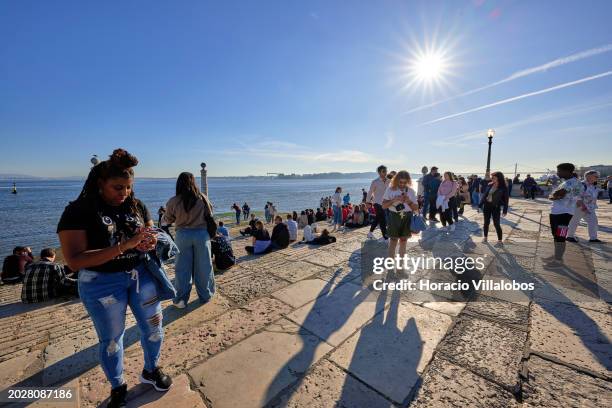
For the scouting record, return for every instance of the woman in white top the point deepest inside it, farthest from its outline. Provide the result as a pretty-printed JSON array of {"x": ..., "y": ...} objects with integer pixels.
[{"x": 401, "y": 200}]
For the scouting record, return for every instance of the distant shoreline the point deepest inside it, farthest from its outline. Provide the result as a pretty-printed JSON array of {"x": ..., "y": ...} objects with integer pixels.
[{"x": 314, "y": 176}]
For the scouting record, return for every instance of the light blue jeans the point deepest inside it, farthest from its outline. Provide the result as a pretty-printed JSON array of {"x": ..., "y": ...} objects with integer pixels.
[
  {"x": 106, "y": 296},
  {"x": 337, "y": 215},
  {"x": 193, "y": 263}
]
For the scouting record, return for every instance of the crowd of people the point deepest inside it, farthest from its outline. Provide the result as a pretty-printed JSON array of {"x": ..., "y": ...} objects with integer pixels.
[{"x": 108, "y": 237}]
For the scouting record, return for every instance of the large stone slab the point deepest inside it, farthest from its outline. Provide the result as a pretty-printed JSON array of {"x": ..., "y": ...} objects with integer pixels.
[
  {"x": 16, "y": 369},
  {"x": 263, "y": 262},
  {"x": 574, "y": 335},
  {"x": 235, "y": 272},
  {"x": 337, "y": 315},
  {"x": 188, "y": 349},
  {"x": 181, "y": 352},
  {"x": 553, "y": 385},
  {"x": 328, "y": 258},
  {"x": 74, "y": 355},
  {"x": 448, "y": 385},
  {"x": 296, "y": 271},
  {"x": 302, "y": 292},
  {"x": 183, "y": 320},
  {"x": 250, "y": 287},
  {"x": 392, "y": 350},
  {"x": 446, "y": 307},
  {"x": 488, "y": 348},
  {"x": 346, "y": 271},
  {"x": 505, "y": 312},
  {"x": 329, "y": 386},
  {"x": 179, "y": 395},
  {"x": 255, "y": 370}
]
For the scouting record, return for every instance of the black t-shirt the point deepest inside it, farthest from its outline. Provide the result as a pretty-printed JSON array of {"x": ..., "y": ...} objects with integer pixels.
[
  {"x": 223, "y": 253},
  {"x": 261, "y": 235},
  {"x": 280, "y": 235},
  {"x": 106, "y": 226}
]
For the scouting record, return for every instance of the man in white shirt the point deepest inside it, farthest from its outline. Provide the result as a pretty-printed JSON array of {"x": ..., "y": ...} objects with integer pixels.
[
  {"x": 375, "y": 196},
  {"x": 564, "y": 198},
  {"x": 292, "y": 226}
]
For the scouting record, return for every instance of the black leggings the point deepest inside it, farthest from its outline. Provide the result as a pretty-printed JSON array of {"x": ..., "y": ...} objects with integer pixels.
[
  {"x": 452, "y": 204},
  {"x": 491, "y": 211},
  {"x": 380, "y": 219},
  {"x": 448, "y": 215},
  {"x": 432, "y": 206}
]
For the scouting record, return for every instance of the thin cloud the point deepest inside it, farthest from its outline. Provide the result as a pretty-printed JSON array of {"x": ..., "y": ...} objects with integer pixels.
[
  {"x": 519, "y": 97},
  {"x": 505, "y": 129},
  {"x": 278, "y": 150},
  {"x": 523, "y": 73}
]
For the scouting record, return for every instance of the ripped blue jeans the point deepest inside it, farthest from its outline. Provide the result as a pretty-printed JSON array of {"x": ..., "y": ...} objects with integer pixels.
[{"x": 106, "y": 297}]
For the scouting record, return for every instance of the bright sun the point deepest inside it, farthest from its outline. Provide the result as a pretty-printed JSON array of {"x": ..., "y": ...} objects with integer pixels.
[{"x": 429, "y": 67}]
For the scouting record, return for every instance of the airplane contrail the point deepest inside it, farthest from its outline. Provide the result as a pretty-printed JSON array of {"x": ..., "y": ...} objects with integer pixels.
[
  {"x": 516, "y": 98},
  {"x": 523, "y": 73}
]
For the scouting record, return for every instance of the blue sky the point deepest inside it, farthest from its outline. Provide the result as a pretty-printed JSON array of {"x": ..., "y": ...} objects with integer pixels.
[{"x": 292, "y": 86}]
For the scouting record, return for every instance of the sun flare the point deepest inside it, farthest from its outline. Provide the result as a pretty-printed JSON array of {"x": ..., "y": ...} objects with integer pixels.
[{"x": 429, "y": 67}]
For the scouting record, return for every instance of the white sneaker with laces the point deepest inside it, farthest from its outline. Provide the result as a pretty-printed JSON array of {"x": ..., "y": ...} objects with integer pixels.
[
  {"x": 370, "y": 235},
  {"x": 180, "y": 305}
]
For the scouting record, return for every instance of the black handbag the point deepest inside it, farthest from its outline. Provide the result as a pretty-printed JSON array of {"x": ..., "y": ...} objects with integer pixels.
[{"x": 211, "y": 224}]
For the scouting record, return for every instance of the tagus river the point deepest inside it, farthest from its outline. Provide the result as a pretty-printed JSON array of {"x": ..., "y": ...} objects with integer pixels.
[{"x": 30, "y": 217}]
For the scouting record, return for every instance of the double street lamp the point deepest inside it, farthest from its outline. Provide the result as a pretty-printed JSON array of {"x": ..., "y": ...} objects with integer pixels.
[{"x": 490, "y": 134}]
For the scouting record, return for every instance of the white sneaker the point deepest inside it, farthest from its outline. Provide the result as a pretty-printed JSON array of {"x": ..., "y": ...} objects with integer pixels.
[
  {"x": 452, "y": 227},
  {"x": 370, "y": 235},
  {"x": 180, "y": 305}
]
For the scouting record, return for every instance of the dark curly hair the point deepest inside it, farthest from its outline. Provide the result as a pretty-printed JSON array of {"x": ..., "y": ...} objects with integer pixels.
[{"x": 119, "y": 164}]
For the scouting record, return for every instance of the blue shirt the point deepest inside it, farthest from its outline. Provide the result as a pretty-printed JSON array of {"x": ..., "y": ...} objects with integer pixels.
[{"x": 223, "y": 231}]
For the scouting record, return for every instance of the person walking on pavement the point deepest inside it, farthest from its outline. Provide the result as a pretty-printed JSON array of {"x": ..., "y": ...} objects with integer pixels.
[{"x": 375, "y": 196}]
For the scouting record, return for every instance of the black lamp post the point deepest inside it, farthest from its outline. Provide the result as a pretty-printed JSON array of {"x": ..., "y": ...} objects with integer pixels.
[{"x": 490, "y": 134}]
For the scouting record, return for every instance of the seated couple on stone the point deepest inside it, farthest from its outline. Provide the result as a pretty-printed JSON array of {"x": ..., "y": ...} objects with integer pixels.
[
  {"x": 262, "y": 243},
  {"x": 310, "y": 236}
]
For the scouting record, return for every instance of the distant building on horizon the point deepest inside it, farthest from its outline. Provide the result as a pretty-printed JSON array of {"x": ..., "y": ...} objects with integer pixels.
[{"x": 604, "y": 170}]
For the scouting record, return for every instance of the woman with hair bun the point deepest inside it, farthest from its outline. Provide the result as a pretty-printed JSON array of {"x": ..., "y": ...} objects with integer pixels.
[{"x": 104, "y": 235}]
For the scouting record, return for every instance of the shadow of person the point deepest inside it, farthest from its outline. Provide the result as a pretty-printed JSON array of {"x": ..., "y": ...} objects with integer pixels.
[
  {"x": 385, "y": 355},
  {"x": 328, "y": 314},
  {"x": 553, "y": 288}
]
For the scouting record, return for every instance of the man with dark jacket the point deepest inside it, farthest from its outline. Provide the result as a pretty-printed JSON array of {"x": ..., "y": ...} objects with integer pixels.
[
  {"x": 529, "y": 187},
  {"x": 430, "y": 188}
]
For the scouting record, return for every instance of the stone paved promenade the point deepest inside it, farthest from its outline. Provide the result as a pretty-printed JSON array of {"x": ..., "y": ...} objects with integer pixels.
[{"x": 299, "y": 328}]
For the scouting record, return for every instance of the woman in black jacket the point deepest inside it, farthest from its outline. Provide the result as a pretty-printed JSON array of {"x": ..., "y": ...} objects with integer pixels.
[{"x": 494, "y": 201}]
